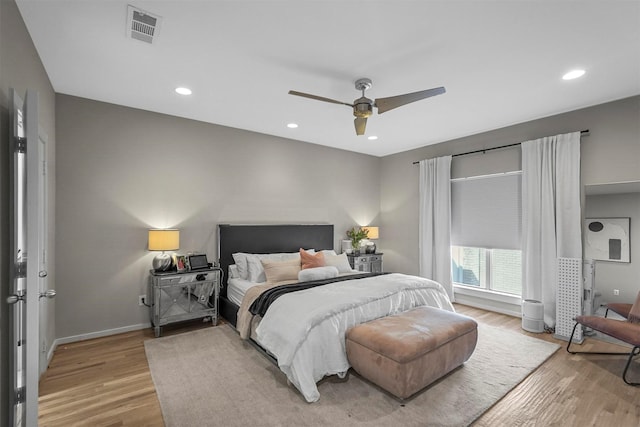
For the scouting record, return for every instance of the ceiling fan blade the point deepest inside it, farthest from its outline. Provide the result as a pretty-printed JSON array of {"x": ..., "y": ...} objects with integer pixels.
[
  {"x": 386, "y": 104},
  {"x": 318, "y": 98},
  {"x": 361, "y": 125}
]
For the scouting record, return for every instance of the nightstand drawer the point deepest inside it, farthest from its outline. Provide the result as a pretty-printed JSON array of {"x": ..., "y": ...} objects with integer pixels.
[
  {"x": 366, "y": 262},
  {"x": 167, "y": 281},
  {"x": 184, "y": 278}
]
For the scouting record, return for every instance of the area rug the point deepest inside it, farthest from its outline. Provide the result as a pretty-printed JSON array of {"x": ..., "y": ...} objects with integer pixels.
[{"x": 210, "y": 377}]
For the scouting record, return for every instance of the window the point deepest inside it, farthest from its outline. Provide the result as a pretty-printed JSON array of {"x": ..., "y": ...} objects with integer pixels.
[
  {"x": 498, "y": 270},
  {"x": 485, "y": 232}
]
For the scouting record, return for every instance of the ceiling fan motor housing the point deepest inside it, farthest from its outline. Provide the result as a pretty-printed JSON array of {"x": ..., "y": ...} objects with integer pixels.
[{"x": 362, "y": 107}]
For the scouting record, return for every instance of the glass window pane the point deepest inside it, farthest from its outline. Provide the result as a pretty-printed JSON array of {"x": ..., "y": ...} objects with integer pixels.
[
  {"x": 469, "y": 266},
  {"x": 506, "y": 271}
]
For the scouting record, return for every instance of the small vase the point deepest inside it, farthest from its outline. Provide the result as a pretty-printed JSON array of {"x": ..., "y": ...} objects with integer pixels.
[{"x": 356, "y": 248}]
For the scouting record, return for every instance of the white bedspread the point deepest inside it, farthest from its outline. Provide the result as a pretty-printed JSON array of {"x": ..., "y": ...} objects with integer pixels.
[{"x": 305, "y": 330}]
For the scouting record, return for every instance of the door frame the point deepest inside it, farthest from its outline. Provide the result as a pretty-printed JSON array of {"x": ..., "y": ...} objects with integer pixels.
[
  {"x": 24, "y": 347},
  {"x": 43, "y": 249}
]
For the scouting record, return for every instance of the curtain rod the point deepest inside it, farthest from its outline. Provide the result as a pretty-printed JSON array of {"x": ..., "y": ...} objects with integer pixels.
[{"x": 582, "y": 133}]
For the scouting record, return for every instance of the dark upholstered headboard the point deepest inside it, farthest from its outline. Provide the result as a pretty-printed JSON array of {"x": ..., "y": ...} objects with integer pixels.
[{"x": 273, "y": 238}]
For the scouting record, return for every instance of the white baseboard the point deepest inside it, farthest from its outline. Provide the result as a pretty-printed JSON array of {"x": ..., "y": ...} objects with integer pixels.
[
  {"x": 98, "y": 334},
  {"x": 52, "y": 349}
]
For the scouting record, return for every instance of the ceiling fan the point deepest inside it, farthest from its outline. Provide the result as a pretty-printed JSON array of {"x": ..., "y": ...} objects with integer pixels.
[{"x": 363, "y": 106}]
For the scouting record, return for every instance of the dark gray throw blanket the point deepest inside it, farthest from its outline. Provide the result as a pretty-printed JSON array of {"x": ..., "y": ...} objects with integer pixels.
[{"x": 262, "y": 303}]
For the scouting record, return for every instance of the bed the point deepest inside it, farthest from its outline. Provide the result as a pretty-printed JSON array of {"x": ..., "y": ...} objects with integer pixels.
[
  {"x": 303, "y": 331},
  {"x": 264, "y": 239}
]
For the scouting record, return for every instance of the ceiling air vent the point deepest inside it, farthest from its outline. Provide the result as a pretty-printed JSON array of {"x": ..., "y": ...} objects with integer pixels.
[{"x": 142, "y": 25}]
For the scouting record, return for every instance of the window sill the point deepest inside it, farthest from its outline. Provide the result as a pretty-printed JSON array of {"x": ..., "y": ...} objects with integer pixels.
[{"x": 489, "y": 300}]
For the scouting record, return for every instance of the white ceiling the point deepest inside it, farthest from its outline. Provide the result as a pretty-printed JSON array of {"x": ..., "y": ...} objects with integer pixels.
[{"x": 500, "y": 61}]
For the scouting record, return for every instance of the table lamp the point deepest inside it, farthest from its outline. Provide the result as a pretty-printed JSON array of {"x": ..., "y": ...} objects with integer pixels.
[
  {"x": 372, "y": 234},
  {"x": 163, "y": 240}
]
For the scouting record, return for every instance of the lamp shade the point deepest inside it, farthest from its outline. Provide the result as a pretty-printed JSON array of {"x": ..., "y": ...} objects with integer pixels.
[
  {"x": 164, "y": 240},
  {"x": 373, "y": 232}
]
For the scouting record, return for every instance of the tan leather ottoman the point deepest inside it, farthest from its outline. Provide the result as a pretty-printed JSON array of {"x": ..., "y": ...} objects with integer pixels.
[{"x": 406, "y": 352}]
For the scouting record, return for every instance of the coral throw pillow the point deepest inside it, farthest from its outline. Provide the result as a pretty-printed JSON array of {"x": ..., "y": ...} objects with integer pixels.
[{"x": 311, "y": 260}]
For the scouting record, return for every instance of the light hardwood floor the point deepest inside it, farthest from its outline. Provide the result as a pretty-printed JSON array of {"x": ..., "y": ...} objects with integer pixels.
[{"x": 106, "y": 382}]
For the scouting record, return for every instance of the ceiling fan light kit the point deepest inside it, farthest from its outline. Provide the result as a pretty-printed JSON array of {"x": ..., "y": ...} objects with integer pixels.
[{"x": 363, "y": 106}]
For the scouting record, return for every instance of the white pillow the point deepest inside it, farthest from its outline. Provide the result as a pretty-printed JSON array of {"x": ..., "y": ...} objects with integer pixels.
[
  {"x": 339, "y": 261},
  {"x": 317, "y": 273},
  {"x": 233, "y": 272},
  {"x": 240, "y": 259}
]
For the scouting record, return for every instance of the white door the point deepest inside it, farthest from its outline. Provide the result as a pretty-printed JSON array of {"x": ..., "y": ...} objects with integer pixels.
[{"x": 25, "y": 258}]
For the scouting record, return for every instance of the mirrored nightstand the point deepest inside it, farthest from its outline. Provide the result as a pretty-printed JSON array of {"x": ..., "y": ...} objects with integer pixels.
[
  {"x": 366, "y": 262},
  {"x": 176, "y": 297}
]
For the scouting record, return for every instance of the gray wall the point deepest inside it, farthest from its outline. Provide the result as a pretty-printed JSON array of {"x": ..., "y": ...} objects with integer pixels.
[
  {"x": 611, "y": 153},
  {"x": 125, "y": 170},
  {"x": 122, "y": 171},
  {"x": 614, "y": 275},
  {"x": 21, "y": 69}
]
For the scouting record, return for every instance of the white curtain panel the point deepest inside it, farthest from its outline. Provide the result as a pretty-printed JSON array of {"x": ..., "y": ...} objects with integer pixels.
[
  {"x": 551, "y": 217},
  {"x": 434, "y": 232}
]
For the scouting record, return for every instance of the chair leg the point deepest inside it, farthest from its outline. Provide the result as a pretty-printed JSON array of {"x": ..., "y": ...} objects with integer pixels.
[
  {"x": 589, "y": 352},
  {"x": 571, "y": 338},
  {"x": 635, "y": 351}
]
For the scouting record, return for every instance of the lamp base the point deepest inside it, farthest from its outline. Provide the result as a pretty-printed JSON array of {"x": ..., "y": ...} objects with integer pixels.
[{"x": 162, "y": 262}]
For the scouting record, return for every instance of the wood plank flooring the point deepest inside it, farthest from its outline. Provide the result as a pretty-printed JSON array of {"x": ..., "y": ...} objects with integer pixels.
[{"x": 106, "y": 382}]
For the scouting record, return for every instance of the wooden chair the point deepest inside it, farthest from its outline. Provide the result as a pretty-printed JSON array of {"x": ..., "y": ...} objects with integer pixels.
[{"x": 627, "y": 331}]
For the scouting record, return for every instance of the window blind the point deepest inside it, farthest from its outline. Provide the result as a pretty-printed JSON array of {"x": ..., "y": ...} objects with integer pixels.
[{"x": 486, "y": 211}]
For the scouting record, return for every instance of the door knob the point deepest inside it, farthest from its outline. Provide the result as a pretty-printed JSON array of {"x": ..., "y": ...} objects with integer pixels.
[
  {"x": 50, "y": 293},
  {"x": 12, "y": 299}
]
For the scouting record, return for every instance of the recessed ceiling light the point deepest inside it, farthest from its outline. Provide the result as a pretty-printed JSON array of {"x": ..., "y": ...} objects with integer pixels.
[
  {"x": 292, "y": 125},
  {"x": 372, "y": 137},
  {"x": 183, "y": 90},
  {"x": 573, "y": 74}
]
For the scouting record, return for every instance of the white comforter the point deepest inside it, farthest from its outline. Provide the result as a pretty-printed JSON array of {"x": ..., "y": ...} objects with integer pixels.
[{"x": 305, "y": 330}]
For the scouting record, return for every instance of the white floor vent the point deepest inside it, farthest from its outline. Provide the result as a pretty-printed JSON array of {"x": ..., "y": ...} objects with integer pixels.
[
  {"x": 569, "y": 298},
  {"x": 142, "y": 25}
]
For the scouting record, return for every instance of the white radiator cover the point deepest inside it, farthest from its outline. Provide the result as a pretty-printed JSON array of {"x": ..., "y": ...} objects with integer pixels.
[{"x": 569, "y": 298}]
